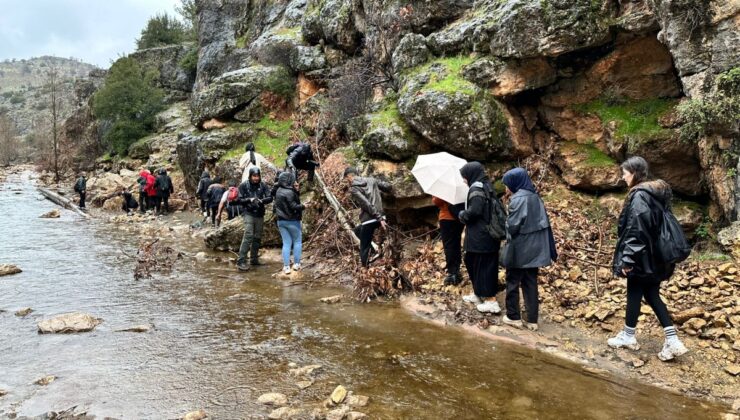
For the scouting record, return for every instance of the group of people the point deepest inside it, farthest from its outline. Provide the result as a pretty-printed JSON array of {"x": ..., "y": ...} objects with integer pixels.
[
  {"x": 154, "y": 192},
  {"x": 530, "y": 245}
]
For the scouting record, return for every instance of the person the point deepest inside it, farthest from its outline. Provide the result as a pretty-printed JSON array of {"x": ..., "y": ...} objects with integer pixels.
[
  {"x": 289, "y": 211},
  {"x": 152, "y": 192},
  {"x": 253, "y": 196},
  {"x": 202, "y": 190},
  {"x": 300, "y": 156},
  {"x": 481, "y": 249},
  {"x": 451, "y": 231},
  {"x": 529, "y": 245},
  {"x": 81, "y": 189},
  {"x": 213, "y": 197},
  {"x": 251, "y": 159},
  {"x": 164, "y": 190},
  {"x": 635, "y": 259},
  {"x": 143, "y": 181},
  {"x": 366, "y": 195},
  {"x": 230, "y": 202},
  {"x": 129, "y": 202}
]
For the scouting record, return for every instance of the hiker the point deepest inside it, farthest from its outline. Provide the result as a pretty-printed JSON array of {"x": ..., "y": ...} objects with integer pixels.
[
  {"x": 152, "y": 192},
  {"x": 213, "y": 197},
  {"x": 289, "y": 211},
  {"x": 366, "y": 195},
  {"x": 253, "y": 196},
  {"x": 636, "y": 255},
  {"x": 529, "y": 245},
  {"x": 451, "y": 231},
  {"x": 143, "y": 197},
  {"x": 251, "y": 159},
  {"x": 164, "y": 190},
  {"x": 81, "y": 189},
  {"x": 230, "y": 202},
  {"x": 300, "y": 156},
  {"x": 129, "y": 202},
  {"x": 481, "y": 249},
  {"x": 203, "y": 184}
]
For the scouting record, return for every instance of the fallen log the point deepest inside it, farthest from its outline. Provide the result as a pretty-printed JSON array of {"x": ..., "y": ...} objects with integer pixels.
[
  {"x": 62, "y": 201},
  {"x": 338, "y": 209}
]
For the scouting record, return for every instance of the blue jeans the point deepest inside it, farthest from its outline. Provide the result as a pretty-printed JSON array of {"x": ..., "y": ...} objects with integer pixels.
[{"x": 290, "y": 231}]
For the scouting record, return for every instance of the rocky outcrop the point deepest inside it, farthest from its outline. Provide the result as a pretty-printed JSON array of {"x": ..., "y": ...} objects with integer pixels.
[
  {"x": 166, "y": 61},
  {"x": 411, "y": 52},
  {"x": 229, "y": 235},
  {"x": 388, "y": 136},
  {"x": 585, "y": 167}
]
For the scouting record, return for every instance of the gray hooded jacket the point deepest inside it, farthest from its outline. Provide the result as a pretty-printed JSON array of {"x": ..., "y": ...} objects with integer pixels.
[
  {"x": 527, "y": 232},
  {"x": 366, "y": 194}
]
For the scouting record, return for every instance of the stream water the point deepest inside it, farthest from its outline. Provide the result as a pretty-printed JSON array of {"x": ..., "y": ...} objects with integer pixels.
[{"x": 221, "y": 341}]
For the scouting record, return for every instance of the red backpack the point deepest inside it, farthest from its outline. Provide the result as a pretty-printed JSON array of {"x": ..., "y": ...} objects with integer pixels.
[{"x": 233, "y": 194}]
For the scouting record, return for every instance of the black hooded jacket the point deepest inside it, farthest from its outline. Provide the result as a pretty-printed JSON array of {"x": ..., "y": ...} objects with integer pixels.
[
  {"x": 254, "y": 196},
  {"x": 638, "y": 230},
  {"x": 203, "y": 184},
  {"x": 287, "y": 200},
  {"x": 476, "y": 214},
  {"x": 299, "y": 155}
]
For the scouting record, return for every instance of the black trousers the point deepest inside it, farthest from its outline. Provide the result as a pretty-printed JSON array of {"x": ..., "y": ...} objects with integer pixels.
[
  {"x": 143, "y": 201},
  {"x": 166, "y": 203},
  {"x": 451, "y": 231},
  {"x": 483, "y": 272},
  {"x": 82, "y": 199},
  {"x": 203, "y": 207},
  {"x": 650, "y": 290},
  {"x": 526, "y": 278},
  {"x": 157, "y": 204},
  {"x": 365, "y": 233},
  {"x": 213, "y": 212}
]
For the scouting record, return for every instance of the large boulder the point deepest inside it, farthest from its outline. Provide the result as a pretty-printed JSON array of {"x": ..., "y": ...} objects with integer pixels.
[
  {"x": 453, "y": 113},
  {"x": 471, "y": 32},
  {"x": 388, "y": 136},
  {"x": 231, "y": 92},
  {"x": 506, "y": 78},
  {"x": 72, "y": 322},
  {"x": 411, "y": 52},
  {"x": 673, "y": 161},
  {"x": 585, "y": 167},
  {"x": 166, "y": 60},
  {"x": 333, "y": 21},
  {"x": 407, "y": 197},
  {"x": 229, "y": 235}
]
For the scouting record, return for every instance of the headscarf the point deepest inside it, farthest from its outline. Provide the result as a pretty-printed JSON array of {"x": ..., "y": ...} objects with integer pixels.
[
  {"x": 474, "y": 172},
  {"x": 286, "y": 179},
  {"x": 518, "y": 179},
  {"x": 250, "y": 148}
]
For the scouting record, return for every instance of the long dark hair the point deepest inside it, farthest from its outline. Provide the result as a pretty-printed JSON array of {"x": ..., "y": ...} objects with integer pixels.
[{"x": 638, "y": 167}]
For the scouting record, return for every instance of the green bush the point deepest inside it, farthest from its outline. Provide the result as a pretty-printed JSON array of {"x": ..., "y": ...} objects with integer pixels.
[
  {"x": 17, "y": 99},
  {"x": 715, "y": 112},
  {"x": 162, "y": 30},
  {"x": 189, "y": 62},
  {"x": 130, "y": 101}
]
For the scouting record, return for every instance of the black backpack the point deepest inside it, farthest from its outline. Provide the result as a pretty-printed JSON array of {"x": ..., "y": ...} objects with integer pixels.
[
  {"x": 496, "y": 225},
  {"x": 672, "y": 244}
]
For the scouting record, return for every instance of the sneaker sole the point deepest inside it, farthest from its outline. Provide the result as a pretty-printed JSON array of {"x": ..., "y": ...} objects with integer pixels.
[
  {"x": 673, "y": 356},
  {"x": 512, "y": 324},
  {"x": 626, "y": 346}
]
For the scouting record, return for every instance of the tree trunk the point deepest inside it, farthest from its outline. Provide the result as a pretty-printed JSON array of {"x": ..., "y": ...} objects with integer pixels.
[{"x": 62, "y": 201}]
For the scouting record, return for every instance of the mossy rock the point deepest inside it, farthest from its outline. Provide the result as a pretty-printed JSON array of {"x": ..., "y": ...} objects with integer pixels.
[
  {"x": 141, "y": 149},
  {"x": 387, "y": 135},
  {"x": 586, "y": 167}
]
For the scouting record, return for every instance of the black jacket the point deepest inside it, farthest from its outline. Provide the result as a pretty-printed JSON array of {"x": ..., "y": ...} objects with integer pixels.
[
  {"x": 638, "y": 230},
  {"x": 163, "y": 185},
  {"x": 203, "y": 184},
  {"x": 81, "y": 184},
  {"x": 299, "y": 155},
  {"x": 287, "y": 200},
  {"x": 253, "y": 197},
  {"x": 214, "y": 194},
  {"x": 366, "y": 194},
  {"x": 477, "y": 214}
]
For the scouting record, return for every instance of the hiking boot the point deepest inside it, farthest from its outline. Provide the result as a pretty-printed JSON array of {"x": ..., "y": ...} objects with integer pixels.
[
  {"x": 255, "y": 262},
  {"x": 516, "y": 323},
  {"x": 472, "y": 298},
  {"x": 286, "y": 269},
  {"x": 242, "y": 267},
  {"x": 490, "y": 306},
  {"x": 672, "y": 349},
  {"x": 531, "y": 326},
  {"x": 452, "y": 280},
  {"x": 622, "y": 340}
]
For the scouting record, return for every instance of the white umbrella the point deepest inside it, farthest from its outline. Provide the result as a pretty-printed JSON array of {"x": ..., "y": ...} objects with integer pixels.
[{"x": 439, "y": 175}]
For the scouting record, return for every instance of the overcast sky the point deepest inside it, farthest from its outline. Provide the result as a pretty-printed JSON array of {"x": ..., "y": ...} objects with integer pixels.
[{"x": 96, "y": 31}]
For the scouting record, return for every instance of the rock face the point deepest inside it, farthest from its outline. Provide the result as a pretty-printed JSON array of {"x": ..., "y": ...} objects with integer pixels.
[
  {"x": 73, "y": 322},
  {"x": 8, "y": 269},
  {"x": 166, "y": 61},
  {"x": 585, "y": 167}
]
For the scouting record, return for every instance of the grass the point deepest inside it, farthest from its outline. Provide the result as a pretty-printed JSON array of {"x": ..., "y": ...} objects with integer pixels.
[
  {"x": 637, "y": 121},
  {"x": 593, "y": 156},
  {"x": 294, "y": 32},
  {"x": 451, "y": 81},
  {"x": 712, "y": 256},
  {"x": 273, "y": 138}
]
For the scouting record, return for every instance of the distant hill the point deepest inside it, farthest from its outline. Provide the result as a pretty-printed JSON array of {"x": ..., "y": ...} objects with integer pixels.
[{"x": 23, "y": 94}]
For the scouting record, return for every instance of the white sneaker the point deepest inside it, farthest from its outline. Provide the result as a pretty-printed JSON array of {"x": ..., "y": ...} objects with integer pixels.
[
  {"x": 514, "y": 323},
  {"x": 490, "y": 306},
  {"x": 472, "y": 298},
  {"x": 296, "y": 267},
  {"x": 672, "y": 349},
  {"x": 622, "y": 340},
  {"x": 286, "y": 269}
]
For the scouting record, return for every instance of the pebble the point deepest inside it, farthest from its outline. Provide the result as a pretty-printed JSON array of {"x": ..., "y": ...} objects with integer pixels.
[
  {"x": 339, "y": 394},
  {"x": 357, "y": 400},
  {"x": 733, "y": 370},
  {"x": 273, "y": 398},
  {"x": 54, "y": 214},
  {"x": 331, "y": 299},
  {"x": 8, "y": 269},
  {"x": 46, "y": 380},
  {"x": 304, "y": 384},
  {"x": 195, "y": 415},
  {"x": 305, "y": 370}
]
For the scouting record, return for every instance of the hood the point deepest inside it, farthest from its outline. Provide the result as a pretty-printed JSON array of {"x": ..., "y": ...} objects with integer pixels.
[
  {"x": 286, "y": 179},
  {"x": 518, "y": 179},
  {"x": 474, "y": 172},
  {"x": 255, "y": 171},
  {"x": 144, "y": 173},
  {"x": 163, "y": 171},
  {"x": 205, "y": 174},
  {"x": 659, "y": 189},
  {"x": 359, "y": 181}
]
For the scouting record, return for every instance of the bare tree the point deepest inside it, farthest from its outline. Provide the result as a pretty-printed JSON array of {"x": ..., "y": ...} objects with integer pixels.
[
  {"x": 8, "y": 141},
  {"x": 52, "y": 83}
]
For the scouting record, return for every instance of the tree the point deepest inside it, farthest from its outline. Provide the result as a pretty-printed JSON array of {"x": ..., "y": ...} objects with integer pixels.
[
  {"x": 188, "y": 11},
  {"x": 52, "y": 85},
  {"x": 128, "y": 100},
  {"x": 161, "y": 30},
  {"x": 9, "y": 144}
]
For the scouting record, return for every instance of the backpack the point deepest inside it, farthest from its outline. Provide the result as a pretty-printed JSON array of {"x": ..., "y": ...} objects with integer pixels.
[
  {"x": 496, "y": 226},
  {"x": 233, "y": 194},
  {"x": 672, "y": 244}
]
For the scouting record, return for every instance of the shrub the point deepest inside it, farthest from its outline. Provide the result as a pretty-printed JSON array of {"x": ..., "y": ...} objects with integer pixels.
[
  {"x": 161, "y": 30},
  {"x": 189, "y": 62},
  {"x": 716, "y": 112}
]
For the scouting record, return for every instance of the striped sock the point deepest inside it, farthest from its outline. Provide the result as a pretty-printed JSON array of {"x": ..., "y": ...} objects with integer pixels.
[
  {"x": 670, "y": 333},
  {"x": 630, "y": 331}
]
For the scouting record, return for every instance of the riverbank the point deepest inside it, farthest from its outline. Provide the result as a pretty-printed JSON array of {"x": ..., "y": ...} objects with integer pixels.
[{"x": 576, "y": 332}]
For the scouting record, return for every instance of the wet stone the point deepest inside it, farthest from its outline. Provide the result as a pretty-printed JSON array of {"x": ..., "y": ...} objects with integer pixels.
[
  {"x": 195, "y": 415},
  {"x": 8, "y": 269},
  {"x": 332, "y": 299},
  {"x": 305, "y": 370},
  {"x": 73, "y": 322},
  {"x": 23, "y": 312},
  {"x": 304, "y": 384},
  {"x": 273, "y": 398},
  {"x": 3, "y": 392},
  {"x": 46, "y": 380},
  {"x": 339, "y": 394},
  {"x": 54, "y": 214},
  {"x": 357, "y": 400},
  {"x": 355, "y": 415},
  {"x": 285, "y": 413}
]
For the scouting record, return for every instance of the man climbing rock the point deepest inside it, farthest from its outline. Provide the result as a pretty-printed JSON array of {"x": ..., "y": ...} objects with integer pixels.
[
  {"x": 366, "y": 194},
  {"x": 300, "y": 156},
  {"x": 253, "y": 196},
  {"x": 81, "y": 189}
]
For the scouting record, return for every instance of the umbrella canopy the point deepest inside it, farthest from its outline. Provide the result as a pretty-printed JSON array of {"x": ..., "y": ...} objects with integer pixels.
[{"x": 439, "y": 175}]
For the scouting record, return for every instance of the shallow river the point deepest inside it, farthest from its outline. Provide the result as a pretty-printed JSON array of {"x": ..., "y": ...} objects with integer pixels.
[{"x": 220, "y": 341}]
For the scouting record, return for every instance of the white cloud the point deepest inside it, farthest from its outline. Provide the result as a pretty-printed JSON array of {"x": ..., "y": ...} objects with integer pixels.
[{"x": 96, "y": 31}]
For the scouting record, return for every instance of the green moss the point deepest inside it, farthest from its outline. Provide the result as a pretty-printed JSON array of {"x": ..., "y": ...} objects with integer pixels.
[
  {"x": 637, "y": 121},
  {"x": 242, "y": 41},
  {"x": 281, "y": 83},
  {"x": 592, "y": 155},
  {"x": 449, "y": 82},
  {"x": 712, "y": 256},
  {"x": 388, "y": 116},
  {"x": 234, "y": 153},
  {"x": 273, "y": 138}
]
